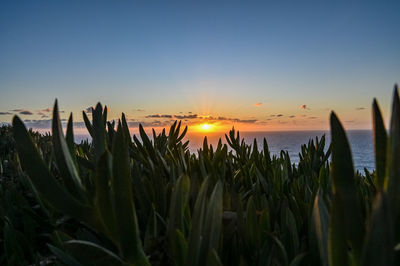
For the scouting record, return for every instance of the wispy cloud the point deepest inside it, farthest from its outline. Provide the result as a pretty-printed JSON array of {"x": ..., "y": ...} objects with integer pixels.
[
  {"x": 158, "y": 116},
  {"x": 43, "y": 114},
  {"x": 5, "y": 113},
  {"x": 190, "y": 116},
  {"x": 196, "y": 118},
  {"x": 258, "y": 104},
  {"x": 193, "y": 116},
  {"x": 229, "y": 119},
  {"x": 25, "y": 112},
  {"x": 360, "y": 108},
  {"x": 276, "y": 115},
  {"x": 139, "y": 110}
]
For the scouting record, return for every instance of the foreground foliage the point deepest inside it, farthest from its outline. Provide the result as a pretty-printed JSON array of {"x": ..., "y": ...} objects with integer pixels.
[{"x": 127, "y": 201}]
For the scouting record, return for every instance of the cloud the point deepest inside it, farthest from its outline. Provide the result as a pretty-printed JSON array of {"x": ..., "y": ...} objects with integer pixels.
[
  {"x": 159, "y": 116},
  {"x": 292, "y": 116},
  {"x": 247, "y": 121},
  {"x": 196, "y": 118},
  {"x": 304, "y": 107},
  {"x": 180, "y": 117},
  {"x": 258, "y": 104},
  {"x": 193, "y": 116},
  {"x": 228, "y": 119},
  {"x": 5, "y": 113},
  {"x": 139, "y": 110},
  {"x": 360, "y": 108},
  {"x": 279, "y": 115},
  {"x": 44, "y": 113},
  {"x": 313, "y": 117},
  {"x": 25, "y": 112},
  {"x": 47, "y": 110}
]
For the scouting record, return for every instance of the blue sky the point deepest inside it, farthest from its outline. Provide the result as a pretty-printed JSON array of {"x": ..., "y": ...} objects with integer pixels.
[{"x": 214, "y": 60}]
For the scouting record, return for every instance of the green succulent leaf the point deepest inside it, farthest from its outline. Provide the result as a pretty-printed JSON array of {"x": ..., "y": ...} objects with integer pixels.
[
  {"x": 393, "y": 182},
  {"x": 64, "y": 159},
  {"x": 378, "y": 249},
  {"x": 179, "y": 248},
  {"x": 44, "y": 183},
  {"x": 69, "y": 137},
  {"x": 90, "y": 253},
  {"x": 347, "y": 223},
  {"x": 179, "y": 202},
  {"x": 320, "y": 223},
  {"x": 88, "y": 125},
  {"x": 64, "y": 257},
  {"x": 131, "y": 245},
  {"x": 98, "y": 132},
  {"x": 380, "y": 144},
  {"x": 103, "y": 197}
]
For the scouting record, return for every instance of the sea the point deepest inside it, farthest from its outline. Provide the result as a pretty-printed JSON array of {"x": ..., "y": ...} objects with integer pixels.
[{"x": 361, "y": 143}]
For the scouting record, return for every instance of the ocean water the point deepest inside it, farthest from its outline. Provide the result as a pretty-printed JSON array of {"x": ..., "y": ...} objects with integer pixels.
[{"x": 361, "y": 143}]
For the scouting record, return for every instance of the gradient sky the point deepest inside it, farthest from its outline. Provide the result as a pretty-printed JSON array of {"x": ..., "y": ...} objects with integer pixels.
[{"x": 255, "y": 65}]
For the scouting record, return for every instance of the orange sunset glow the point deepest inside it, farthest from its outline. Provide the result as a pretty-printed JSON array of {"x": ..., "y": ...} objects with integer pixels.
[
  {"x": 222, "y": 133},
  {"x": 205, "y": 127}
]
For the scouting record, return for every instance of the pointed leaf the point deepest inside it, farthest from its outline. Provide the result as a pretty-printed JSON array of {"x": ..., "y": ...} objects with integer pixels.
[
  {"x": 393, "y": 182},
  {"x": 380, "y": 144},
  {"x": 347, "y": 220},
  {"x": 40, "y": 177},
  {"x": 92, "y": 253},
  {"x": 99, "y": 132},
  {"x": 64, "y": 159},
  {"x": 379, "y": 243},
  {"x": 131, "y": 245},
  {"x": 87, "y": 123}
]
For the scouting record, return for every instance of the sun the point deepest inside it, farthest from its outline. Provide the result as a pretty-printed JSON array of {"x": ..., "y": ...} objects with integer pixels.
[{"x": 206, "y": 127}]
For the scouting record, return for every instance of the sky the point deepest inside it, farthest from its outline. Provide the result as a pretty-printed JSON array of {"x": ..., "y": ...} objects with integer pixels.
[{"x": 258, "y": 66}]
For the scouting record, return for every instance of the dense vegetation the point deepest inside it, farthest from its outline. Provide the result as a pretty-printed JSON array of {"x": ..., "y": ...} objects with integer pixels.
[{"x": 123, "y": 201}]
